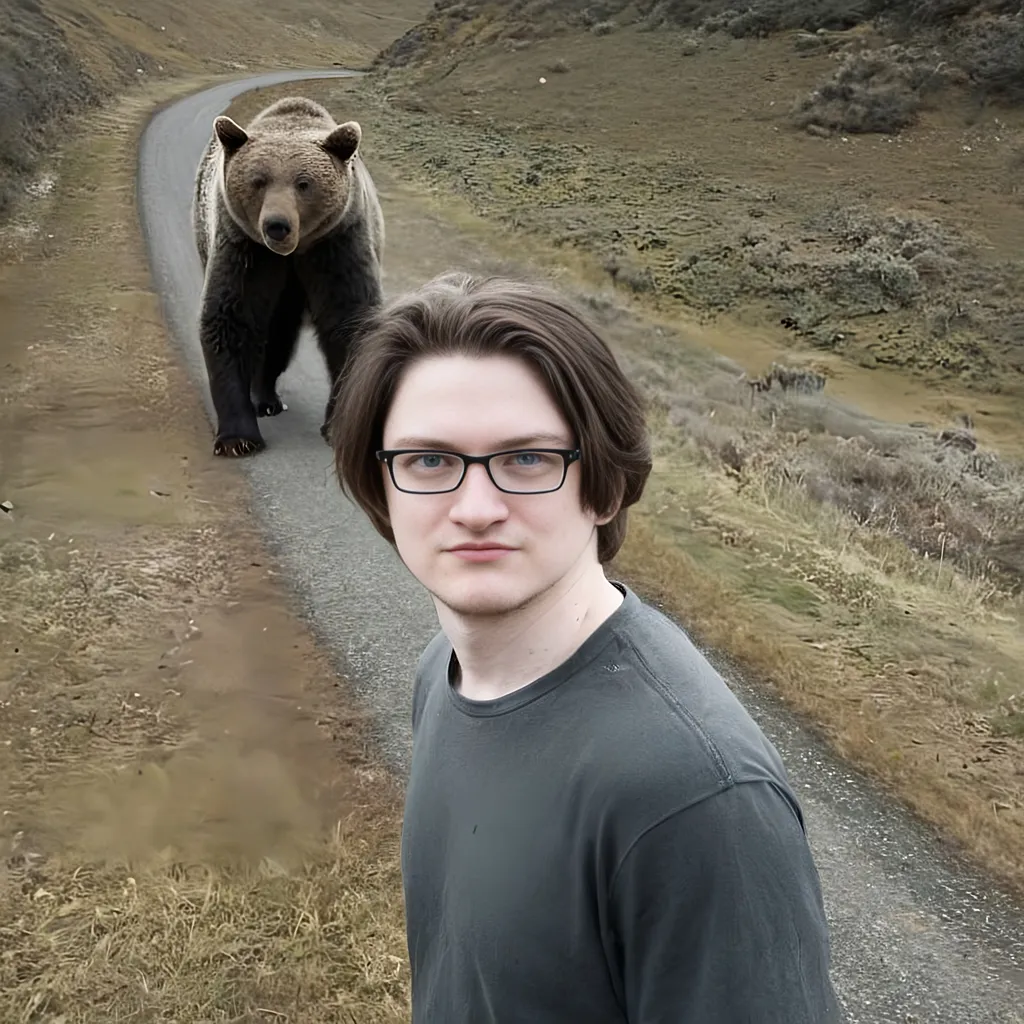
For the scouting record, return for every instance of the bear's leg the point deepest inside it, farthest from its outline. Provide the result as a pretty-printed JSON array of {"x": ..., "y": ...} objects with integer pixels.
[
  {"x": 241, "y": 290},
  {"x": 342, "y": 283},
  {"x": 282, "y": 336}
]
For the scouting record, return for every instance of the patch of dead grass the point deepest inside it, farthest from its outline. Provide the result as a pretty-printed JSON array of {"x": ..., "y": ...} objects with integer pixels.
[
  {"x": 320, "y": 942},
  {"x": 945, "y": 498}
]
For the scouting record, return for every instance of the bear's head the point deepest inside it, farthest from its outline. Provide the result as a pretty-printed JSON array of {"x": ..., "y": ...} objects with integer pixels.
[{"x": 285, "y": 188}]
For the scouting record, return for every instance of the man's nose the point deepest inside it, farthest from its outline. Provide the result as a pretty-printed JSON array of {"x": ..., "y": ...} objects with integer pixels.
[{"x": 478, "y": 502}]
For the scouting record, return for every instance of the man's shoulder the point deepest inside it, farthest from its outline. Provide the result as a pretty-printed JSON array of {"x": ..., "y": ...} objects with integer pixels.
[
  {"x": 434, "y": 657},
  {"x": 431, "y": 669},
  {"x": 672, "y": 732}
]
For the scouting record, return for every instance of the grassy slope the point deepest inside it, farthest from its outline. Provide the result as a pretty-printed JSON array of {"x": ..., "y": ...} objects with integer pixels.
[{"x": 869, "y": 567}]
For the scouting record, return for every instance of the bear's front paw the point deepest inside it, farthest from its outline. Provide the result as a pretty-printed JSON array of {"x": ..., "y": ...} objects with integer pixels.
[
  {"x": 235, "y": 447},
  {"x": 270, "y": 406}
]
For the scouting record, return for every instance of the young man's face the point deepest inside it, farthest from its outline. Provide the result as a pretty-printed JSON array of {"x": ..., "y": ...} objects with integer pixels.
[{"x": 477, "y": 406}]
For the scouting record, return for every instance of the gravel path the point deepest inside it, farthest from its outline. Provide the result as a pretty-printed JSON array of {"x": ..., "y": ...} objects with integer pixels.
[{"x": 916, "y": 937}]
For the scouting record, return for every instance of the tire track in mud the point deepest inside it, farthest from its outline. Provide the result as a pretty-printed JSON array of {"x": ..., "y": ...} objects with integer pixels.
[{"x": 917, "y": 937}]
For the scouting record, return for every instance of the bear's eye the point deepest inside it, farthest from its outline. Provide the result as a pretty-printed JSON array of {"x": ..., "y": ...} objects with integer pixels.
[
  {"x": 259, "y": 183},
  {"x": 303, "y": 184}
]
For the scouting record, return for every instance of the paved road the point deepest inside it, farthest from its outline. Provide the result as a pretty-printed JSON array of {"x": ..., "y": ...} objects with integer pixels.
[{"x": 917, "y": 938}]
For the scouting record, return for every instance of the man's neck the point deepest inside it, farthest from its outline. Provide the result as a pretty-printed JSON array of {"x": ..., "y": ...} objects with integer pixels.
[{"x": 498, "y": 655}]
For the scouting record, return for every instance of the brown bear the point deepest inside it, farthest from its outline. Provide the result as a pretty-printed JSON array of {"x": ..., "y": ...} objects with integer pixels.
[{"x": 288, "y": 227}]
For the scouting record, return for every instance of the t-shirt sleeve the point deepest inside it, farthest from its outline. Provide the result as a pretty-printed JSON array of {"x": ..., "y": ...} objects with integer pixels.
[{"x": 716, "y": 915}]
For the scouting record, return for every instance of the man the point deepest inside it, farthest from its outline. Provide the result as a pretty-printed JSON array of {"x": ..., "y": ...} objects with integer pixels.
[{"x": 595, "y": 830}]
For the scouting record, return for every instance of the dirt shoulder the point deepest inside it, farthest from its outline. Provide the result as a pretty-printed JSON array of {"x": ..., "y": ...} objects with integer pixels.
[{"x": 192, "y": 821}]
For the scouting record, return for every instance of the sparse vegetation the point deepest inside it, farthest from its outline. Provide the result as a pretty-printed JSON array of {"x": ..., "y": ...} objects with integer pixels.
[
  {"x": 758, "y": 18},
  {"x": 194, "y": 942},
  {"x": 837, "y": 275},
  {"x": 743, "y": 18},
  {"x": 991, "y": 53},
  {"x": 30, "y": 101},
  {"x": 883, "y": 89},
  {"x": 933, "y": 490},
  {"x": 874, "y": 91}
]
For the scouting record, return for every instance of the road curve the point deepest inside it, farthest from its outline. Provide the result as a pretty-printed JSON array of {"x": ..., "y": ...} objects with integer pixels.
[{"x": 917, "y": 938}]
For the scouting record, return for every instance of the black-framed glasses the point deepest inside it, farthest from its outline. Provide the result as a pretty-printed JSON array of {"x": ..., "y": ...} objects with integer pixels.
[{"x": 517, "y": 471}]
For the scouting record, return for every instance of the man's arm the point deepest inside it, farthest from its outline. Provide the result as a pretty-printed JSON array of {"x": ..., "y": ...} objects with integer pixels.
[{"x": 718, "y": 917}]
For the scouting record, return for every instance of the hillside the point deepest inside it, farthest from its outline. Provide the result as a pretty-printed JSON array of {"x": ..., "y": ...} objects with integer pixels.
[
  {"x": 60, "y": 58},
  {"x": 849, "y": 181}
]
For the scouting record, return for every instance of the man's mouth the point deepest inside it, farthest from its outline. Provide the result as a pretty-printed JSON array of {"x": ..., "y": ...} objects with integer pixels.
[{"x": 480, "y": 552}]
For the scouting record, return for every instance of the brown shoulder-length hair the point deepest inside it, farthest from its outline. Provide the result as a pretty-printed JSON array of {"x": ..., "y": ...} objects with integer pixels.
[{"x": 458, "y": 314}]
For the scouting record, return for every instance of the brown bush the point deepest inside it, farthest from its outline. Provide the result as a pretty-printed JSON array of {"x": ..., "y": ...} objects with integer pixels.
[
  {"x": 991, "y": 52},
  {"x": 935, "y": 491},
  {"x": 872, "y": 91}
]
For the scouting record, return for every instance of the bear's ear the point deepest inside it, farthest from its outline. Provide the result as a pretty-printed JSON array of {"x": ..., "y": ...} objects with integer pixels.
[
  {"x": 232, "y": 136},
  {"x": 344, "y": 140}
]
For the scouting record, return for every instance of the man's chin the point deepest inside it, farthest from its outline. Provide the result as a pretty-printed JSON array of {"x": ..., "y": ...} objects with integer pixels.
[{"x": 481, "y": 601}]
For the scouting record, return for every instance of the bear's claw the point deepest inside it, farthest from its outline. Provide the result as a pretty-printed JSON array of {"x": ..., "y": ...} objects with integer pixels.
[
  {"x": 236, "y": 447},
  {"x": 270, "y": 407}
]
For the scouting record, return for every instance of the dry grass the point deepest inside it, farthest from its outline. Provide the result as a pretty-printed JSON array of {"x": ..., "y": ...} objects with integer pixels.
[
  {"x": 935, "y": 491},
  {"x": 192, "y": 942}
]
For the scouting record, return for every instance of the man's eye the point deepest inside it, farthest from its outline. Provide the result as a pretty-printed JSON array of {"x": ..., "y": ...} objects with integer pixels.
[{"x": 424, "y": 460}]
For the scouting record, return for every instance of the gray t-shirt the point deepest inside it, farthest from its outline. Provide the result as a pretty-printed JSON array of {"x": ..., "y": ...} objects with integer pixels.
[{"x": 615, "y": 842}]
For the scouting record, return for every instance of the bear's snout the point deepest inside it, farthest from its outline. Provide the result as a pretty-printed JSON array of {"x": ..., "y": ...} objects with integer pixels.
[{"x": 277, "y": 229}]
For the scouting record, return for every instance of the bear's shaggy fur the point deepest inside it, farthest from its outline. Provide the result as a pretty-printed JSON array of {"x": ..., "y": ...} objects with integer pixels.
[{"x": 288, "y": 226}]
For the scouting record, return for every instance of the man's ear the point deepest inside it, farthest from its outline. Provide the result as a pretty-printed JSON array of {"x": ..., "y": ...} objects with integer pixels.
[{"x": 616, "y": 508}]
